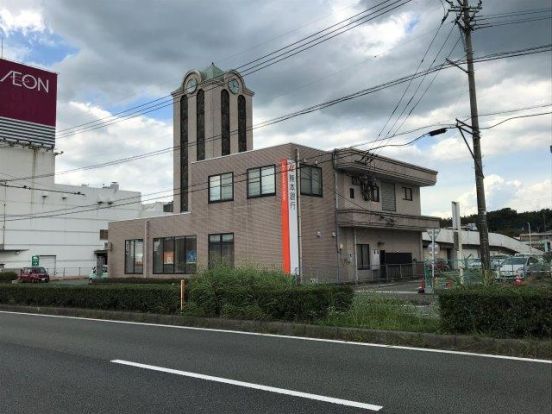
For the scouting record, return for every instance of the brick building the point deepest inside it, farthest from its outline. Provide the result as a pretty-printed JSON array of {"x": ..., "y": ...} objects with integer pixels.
[{"x": 328, "y": 215}]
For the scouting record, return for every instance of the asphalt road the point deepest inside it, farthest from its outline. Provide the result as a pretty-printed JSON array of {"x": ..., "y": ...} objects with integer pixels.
[{"x": 65, "y": 365}]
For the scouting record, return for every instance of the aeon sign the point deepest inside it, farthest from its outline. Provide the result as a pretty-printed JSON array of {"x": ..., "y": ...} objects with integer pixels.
[
  {"x": 27, "y": 94},
  {"x": 26, "y": 81}
]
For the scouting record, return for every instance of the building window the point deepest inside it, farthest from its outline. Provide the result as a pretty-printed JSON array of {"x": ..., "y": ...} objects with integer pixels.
[
  {"x": 351, "y": 193},
  {"x": 175, "y": 255},
  {"x": 407, "y": 193},
  {"x": 104, "y": 235},
  {"x": 388, "y": 200},
  {"x": 242, "y": 124},
  {"x": 221, "y": 249},
  {"x": 311, "y": 180},
  {"x": 183, "y": 153},
  {"x": 134, "y": 256},
  {"x": 221, "y": 187},
  {"x": 374, "y": 193},
  {"x": 363, "y": 256},
  {"x": 261, "y": 181},
  {"x": 225, "y": 122},
  {"x": 200, "y": 117}
]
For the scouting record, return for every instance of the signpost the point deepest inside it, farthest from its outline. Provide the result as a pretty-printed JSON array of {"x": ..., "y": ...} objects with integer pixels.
[{"x": 433, "y": 233}]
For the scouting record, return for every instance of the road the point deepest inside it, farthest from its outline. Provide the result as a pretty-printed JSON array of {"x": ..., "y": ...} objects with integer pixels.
[{"x": 73, "y": 365}]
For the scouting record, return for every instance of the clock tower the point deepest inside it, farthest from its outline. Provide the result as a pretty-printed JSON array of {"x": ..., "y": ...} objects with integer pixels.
[{"x": 212, "y": 117}]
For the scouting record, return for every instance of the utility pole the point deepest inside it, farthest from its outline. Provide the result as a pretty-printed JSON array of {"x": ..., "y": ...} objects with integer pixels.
[{"x": 465, "y": 16}]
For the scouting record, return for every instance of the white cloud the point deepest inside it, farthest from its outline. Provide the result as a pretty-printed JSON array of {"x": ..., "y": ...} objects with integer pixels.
[
  {"x": 26, "y": 21},
  {"x": 499, "y": 193}
]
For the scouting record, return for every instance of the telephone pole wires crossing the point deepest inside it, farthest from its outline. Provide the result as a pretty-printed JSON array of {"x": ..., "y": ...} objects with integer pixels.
[{"x": 464, "y": 19}]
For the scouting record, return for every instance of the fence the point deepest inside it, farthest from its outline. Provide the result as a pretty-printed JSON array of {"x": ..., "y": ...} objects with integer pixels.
[
  {"x": 61, "y": 272},
  {"x": 391, "y": 273}
]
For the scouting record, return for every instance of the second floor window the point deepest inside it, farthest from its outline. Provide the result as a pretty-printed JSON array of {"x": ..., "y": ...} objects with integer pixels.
[
  {"x": 261, "y": 181},
  {"x": 407, "y": 193},
  {"x": 311, "y": 180},
  {"x": 221, "y": 187}
]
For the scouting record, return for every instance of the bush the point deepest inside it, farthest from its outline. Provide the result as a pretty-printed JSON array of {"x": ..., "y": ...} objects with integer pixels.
[
  {"x": 155, "y": 299},
  {"x": 264, "y": 294},
  {"x": 380, "y": 311},
  {"x": 7, "y": 277},
  {"x": 136, "y": 280},
  {"x": 498, "y": 311}
]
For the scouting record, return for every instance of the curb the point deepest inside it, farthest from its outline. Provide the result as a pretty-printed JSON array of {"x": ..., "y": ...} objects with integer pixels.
[{"x": 529, "y": 348}]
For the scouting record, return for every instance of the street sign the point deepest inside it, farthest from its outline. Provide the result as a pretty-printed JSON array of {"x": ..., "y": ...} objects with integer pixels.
[
  {"x": 433, "y": 233},
  {"x": 430, "y": 247},
  {"x": 35, "y": 261}
]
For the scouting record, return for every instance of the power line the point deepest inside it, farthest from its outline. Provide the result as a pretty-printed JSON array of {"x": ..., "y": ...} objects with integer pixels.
[
  {"x": 323, "y": 105},
  {"x": 422, "y": 81},
  {"x": 409, "y": 83},
  {"x": 517, "y": 117},
  {"x": 177, "y": 191},
  {"x": 294, "y": 48}
]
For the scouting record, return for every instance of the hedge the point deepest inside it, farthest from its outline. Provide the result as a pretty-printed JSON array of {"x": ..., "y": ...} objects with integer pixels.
[
  {"x": 506, "y": 312},
  {"x": 285, "y": 303},
  {"x": 155, "y": 299},
  {"x": 136, "y": 280},
  {"x": 7, "y": 277}
]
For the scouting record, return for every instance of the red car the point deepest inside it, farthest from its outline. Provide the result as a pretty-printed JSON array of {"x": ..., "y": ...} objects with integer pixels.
[{"x": 34, "y": 274}]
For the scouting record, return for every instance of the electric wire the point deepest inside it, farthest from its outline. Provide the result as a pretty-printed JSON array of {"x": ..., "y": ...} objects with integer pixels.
[{"x": 363, "y": 92}]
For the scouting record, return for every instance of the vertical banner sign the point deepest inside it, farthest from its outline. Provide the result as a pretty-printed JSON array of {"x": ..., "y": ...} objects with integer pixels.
[
  {"x": 290, "y": 242},
  {"x": 27, "y": 104}
]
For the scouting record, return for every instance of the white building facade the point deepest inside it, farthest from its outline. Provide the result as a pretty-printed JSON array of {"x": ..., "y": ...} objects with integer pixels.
[{"x": 60, "y": 227}]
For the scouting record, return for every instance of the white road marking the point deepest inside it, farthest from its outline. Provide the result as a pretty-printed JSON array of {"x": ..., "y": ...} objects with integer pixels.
[
  {"x": 302, "y": 338},
  {"x": 251, "y": 385}
]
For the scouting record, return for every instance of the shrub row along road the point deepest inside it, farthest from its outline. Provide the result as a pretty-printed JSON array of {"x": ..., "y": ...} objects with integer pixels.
[{"x": 70, "y": 365}]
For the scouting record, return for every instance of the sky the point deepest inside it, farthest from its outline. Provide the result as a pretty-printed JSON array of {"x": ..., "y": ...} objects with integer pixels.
[{"x": 112, "y": 55}]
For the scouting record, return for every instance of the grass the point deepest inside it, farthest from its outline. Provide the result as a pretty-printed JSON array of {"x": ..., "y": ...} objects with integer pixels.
[{"x": 377, "y": 311}]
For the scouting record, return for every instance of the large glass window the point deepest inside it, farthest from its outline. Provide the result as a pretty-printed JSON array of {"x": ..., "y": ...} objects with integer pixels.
[
  {"x": 200, "y": 121},
  {"x": 175, "y": 255},
  {"x": 363, "y": 256},
  {"x": 134, "y": 256},
  {"x": 261, "y": 181},
  {"x": 184, "y": 153},
  {"x": 221, "y": 187},
  {"x": 225, "y": 122},
  {"x": 221, "y": 249},
  {"x": 311, "y": 180},
  {"x": 242, "y": 124}
]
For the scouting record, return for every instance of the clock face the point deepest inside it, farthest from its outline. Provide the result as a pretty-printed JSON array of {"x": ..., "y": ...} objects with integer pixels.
[
  {"x": 234, "y": 86},
  {"x": 191, "y": 86}
]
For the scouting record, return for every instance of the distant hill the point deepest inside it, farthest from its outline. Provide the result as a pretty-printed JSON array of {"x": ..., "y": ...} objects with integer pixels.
[{"x": 511, "y": 223}]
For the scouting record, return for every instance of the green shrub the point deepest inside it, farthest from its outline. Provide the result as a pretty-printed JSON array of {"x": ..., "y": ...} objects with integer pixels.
[
  {"x": 380, "y": 311},
  {"x": 264, "y": 294},
  {"x": 498, "y": 311},
  {"x": 136, "y": 280},
  {"x": 155, "y": 299},
  {"x": 7, "y": 277}
]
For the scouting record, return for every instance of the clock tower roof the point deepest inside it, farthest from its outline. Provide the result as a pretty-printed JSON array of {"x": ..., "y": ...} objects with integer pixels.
[{"x": 211, "y": 72}]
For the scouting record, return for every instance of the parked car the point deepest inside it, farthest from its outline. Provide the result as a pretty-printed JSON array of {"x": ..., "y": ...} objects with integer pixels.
[
  {"x": 516, "y": 266},
  {"x": 33, "y": 274},
  {"x": 93, "y": 274},
  {"x": 496, "y": 261},
  {"x": 474, "y": 264}
]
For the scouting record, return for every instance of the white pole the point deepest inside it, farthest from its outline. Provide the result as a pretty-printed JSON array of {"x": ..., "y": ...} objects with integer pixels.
[
  {"x": 530, "y": 239},
  {"x": 433, "y": 260}
]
